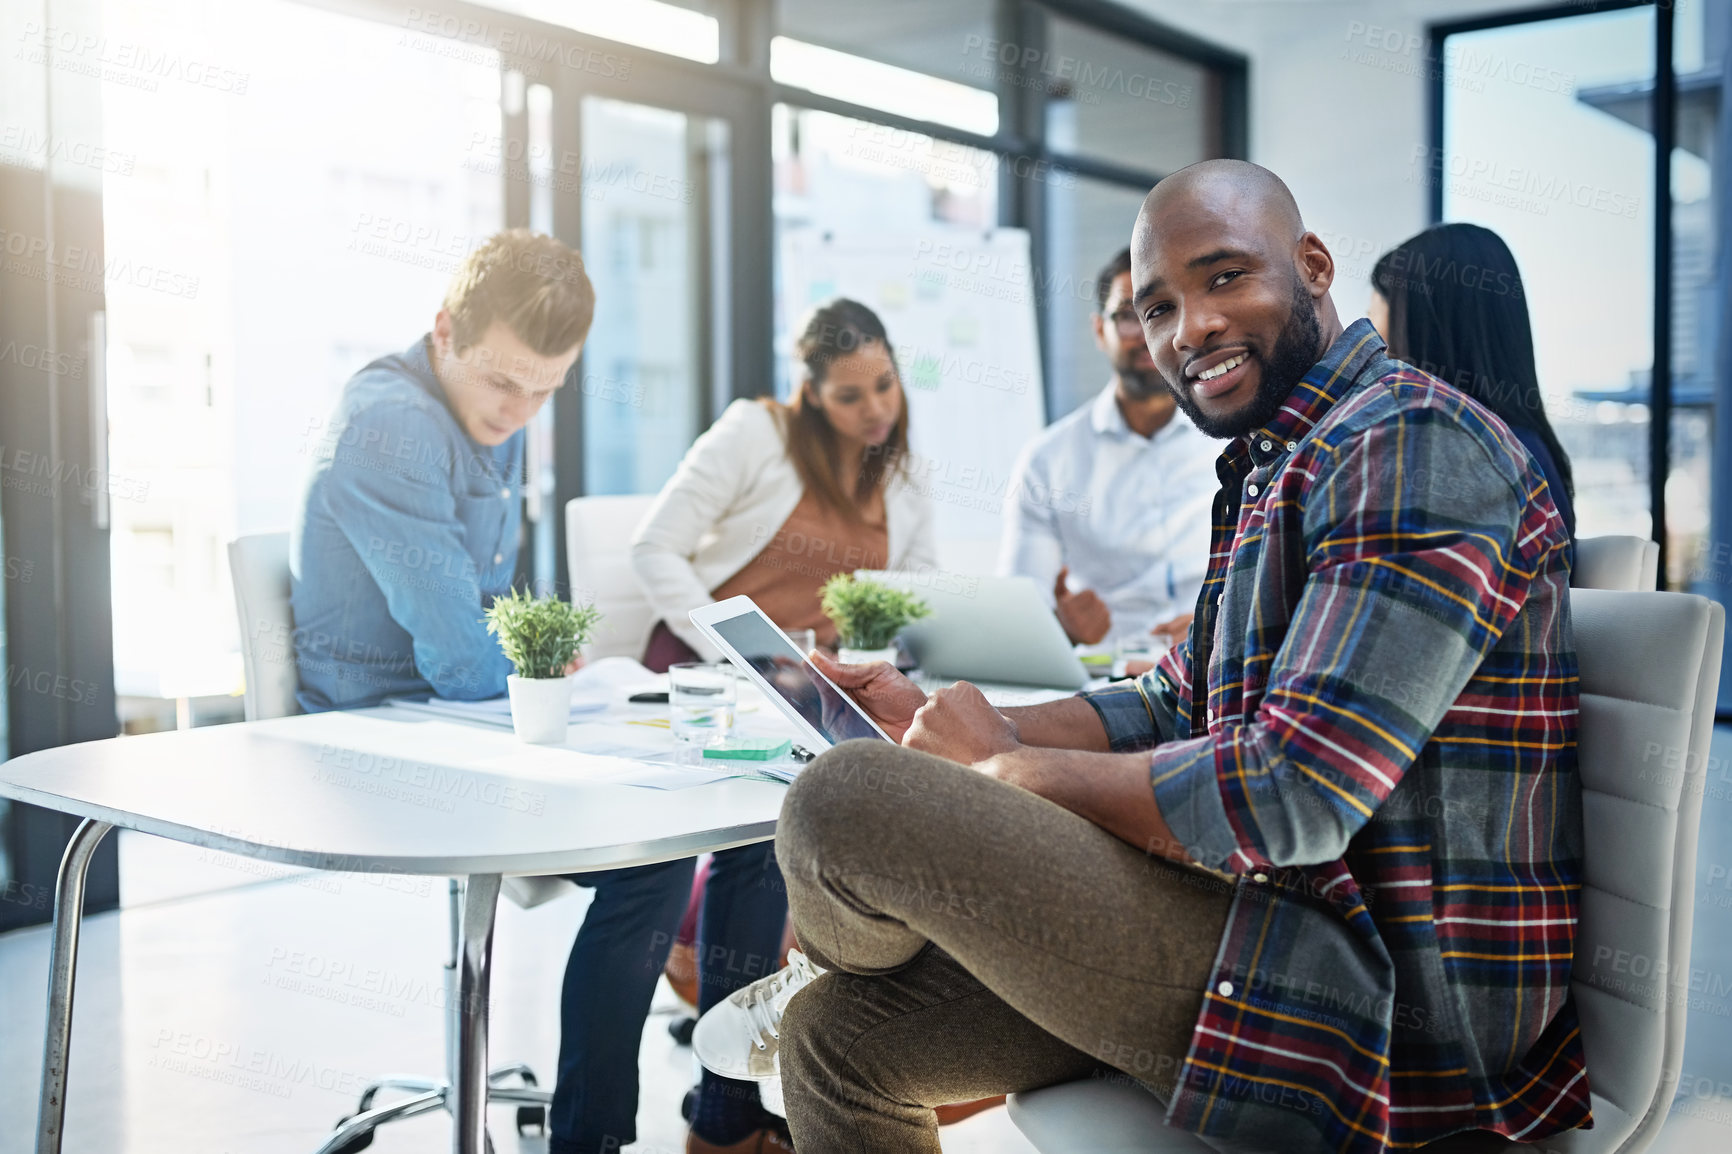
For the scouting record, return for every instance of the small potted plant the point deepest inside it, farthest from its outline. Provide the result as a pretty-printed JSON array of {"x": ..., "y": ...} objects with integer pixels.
[
  {"x": 868, "y": 616},
  {"x": 540, "y": 636}
]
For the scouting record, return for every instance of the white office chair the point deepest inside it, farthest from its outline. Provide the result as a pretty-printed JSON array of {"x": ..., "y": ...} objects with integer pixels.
[
  {"x": 598, "y": 532},
  {"x": 259, "y": 568},
  {"x": 1616, "y": 562},
  {"x": 1650, "y": 665}
]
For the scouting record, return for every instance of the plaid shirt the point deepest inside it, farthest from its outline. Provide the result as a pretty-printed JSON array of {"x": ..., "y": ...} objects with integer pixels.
[{"x": 1386, "y": 763}]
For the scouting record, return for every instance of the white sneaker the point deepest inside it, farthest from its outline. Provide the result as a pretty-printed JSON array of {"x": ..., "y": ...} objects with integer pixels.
[{"x": 741, "y": 1037}]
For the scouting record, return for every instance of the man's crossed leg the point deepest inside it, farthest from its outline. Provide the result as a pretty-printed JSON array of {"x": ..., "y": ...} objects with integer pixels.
[{"x": 981, "y": 940}]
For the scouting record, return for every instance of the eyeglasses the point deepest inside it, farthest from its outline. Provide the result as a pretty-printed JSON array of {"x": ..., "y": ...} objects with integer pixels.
[{"x": 1125, "y": 320}]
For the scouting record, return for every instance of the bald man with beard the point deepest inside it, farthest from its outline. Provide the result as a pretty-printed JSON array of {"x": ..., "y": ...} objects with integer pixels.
[{"x": 1313, "y": 881}]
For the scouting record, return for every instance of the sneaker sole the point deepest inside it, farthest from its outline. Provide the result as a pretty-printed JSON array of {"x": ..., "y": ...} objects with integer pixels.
[{"x": 722, "y": 1067}]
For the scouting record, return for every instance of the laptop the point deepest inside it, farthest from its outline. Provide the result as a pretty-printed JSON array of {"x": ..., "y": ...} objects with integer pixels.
[{"x": 991, "y": 629}]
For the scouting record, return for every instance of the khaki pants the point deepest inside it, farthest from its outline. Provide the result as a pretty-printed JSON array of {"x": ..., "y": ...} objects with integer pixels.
[{"x": 981, "y": 940}]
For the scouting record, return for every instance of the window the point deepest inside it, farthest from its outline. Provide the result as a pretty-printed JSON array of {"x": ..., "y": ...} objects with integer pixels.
[
  {"x": 882, "y": 86},
  {"x": 1126, "y": 103},
  {"x": 946, "y": 40},
  {"x": 1087, "y": 223},
  {"x": 369, "y": 157},
  {"x": 645, "y": 183},
  {"x": 1567, "y": 187},
  {"x": 679, "y": 29},
  {"x": 334, "y": 200}
]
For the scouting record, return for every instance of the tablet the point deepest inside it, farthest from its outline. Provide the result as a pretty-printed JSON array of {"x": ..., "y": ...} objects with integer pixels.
[{"x": 818, "y": 709}]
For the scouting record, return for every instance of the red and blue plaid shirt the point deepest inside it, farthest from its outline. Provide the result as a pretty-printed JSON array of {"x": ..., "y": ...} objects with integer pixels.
[{"x": 1385, "y": 759}]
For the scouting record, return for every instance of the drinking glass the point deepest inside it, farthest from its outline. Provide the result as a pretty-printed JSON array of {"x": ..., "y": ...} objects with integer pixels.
[{"x": 701, "y": 701}]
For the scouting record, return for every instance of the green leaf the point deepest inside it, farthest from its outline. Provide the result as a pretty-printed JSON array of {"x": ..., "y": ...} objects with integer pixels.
[
  {"x": 540, "y": 635},
  {"x": 867, "y": 614}
]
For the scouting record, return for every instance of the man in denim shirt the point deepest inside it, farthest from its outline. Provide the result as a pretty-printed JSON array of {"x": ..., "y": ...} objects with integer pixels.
[{"x": 408, "y": 530}]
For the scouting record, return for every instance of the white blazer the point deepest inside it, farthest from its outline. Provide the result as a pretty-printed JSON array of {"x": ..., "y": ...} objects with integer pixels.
[{"x": 730, "y": 495}]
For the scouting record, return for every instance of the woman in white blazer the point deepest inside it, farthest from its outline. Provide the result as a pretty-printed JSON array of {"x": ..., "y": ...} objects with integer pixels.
[
  {"x": 771, "y": 502},
  {"x": 775, "y": 498}
]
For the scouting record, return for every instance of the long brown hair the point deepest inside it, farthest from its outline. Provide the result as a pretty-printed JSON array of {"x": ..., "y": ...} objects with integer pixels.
[{"x": 832, "y": 331}]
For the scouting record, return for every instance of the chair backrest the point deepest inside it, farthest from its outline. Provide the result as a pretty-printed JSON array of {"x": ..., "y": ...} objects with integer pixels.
[
  {"x": 598, "y": 532},
  {"x": 1650, "y": 665},
  {"x": 1616, "y": 562},
  {"x": 259, "y": 567}
]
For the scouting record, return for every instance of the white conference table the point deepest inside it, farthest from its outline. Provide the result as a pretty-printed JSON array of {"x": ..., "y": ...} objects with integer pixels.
[
  {"x": 389, "y": 791},
  {"x": 374, "y": 791}
]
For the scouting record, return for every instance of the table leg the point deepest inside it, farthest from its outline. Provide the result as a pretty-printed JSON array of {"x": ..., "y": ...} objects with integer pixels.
[
  {"x": 469, "y": 1093},
  {"x": 62, "y": 974}
]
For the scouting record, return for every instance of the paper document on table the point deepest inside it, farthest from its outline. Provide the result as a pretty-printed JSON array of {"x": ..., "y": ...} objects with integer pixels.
[
  {"x": 493, "y": 711},
  {"x": 621, "y": 739},
  {"x": 608, "y": 675}
]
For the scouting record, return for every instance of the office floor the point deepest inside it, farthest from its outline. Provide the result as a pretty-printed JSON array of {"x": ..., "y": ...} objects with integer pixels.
[{"x": 231, "y": 1008}]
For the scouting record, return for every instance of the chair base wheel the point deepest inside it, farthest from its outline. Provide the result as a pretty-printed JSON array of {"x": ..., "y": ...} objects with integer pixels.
[
  {"x": 359, "y": 1142},
  {"x": 680, "y": 1029},
  {"x": 528, "y": 1116}
]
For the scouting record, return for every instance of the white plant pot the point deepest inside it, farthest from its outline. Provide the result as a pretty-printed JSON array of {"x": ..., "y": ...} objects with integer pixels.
[
  {"x": 540, "y": 708},
  {"x": 849, "y": 656}
]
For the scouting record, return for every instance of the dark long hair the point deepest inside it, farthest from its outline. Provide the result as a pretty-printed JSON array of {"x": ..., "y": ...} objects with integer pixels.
[
  {"x": 834, "y": 330},
  {"x": 1457, "y": 310}
]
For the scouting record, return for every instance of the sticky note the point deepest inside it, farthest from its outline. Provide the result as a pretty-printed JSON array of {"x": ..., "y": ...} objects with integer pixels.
[{"x": 749, "y": 749}]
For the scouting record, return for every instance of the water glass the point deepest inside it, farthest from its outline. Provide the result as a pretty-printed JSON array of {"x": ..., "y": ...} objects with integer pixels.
[
  {"x": 805, "y": 640},
  {"x": 701, "y": 701}
]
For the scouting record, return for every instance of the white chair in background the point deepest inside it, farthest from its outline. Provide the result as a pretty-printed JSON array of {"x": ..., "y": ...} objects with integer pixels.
[
  {"x": 1616, "y": 562},
  {"x": 259, "y": 567},
  {"x": 1650, "y": 668},
  {"x": 598, "y": 532}
]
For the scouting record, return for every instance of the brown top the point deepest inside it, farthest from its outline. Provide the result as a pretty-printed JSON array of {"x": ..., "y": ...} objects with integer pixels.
[{"x": 813, "y": 545}]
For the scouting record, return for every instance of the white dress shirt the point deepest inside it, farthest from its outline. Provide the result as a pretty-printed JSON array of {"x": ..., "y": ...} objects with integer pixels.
[{"x": 1129, "y": 514}]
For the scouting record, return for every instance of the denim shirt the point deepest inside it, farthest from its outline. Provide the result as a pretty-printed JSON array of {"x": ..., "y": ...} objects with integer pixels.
[{"x": 407, "y": 531}]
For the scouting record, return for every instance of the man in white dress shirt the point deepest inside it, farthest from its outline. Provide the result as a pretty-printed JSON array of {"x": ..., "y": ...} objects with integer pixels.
[{"x": 1110, "y": 505}]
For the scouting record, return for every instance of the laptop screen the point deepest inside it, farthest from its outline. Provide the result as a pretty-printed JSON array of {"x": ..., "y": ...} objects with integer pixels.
[{"x": 786, "y": 671}]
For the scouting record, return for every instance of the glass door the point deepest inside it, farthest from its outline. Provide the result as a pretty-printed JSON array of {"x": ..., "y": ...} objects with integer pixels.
[
  {"x": 661, "y": 178},
  {"x": 650, "y": 177}
]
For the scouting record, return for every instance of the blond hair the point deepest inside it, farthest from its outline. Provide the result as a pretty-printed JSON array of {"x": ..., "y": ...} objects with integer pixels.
[{"x": 534, "y": 283}]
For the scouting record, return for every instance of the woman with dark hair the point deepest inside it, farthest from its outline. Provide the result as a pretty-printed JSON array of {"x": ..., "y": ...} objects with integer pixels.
[
  {"x": 1450, "y": 301},
  {"x": 776, "y": 498},
  {"x": 772, "y": 501}
]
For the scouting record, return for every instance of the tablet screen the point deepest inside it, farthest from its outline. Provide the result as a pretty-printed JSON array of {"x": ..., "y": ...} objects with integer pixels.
[{"x": 785, "y": 669}]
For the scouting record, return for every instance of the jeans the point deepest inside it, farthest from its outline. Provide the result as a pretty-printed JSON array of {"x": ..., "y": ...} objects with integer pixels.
[{"x": 615, "y": 962}]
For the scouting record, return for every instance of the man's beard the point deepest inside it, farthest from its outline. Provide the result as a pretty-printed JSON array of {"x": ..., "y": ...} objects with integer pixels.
[
  {"x": 1138, "y": 383},
  {"x": 1294, "y": 353}
]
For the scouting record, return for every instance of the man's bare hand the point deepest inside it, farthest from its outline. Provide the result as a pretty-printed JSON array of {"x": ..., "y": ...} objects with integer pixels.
[
  {"x": 890, "y": 698},
  {"x": 1173, "y": 630},
  {"x": 1084, "y": 615},
  {"x": 960, "y": 724}
]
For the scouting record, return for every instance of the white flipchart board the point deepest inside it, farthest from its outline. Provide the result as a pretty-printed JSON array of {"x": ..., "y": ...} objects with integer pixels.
[{"x": 959, "y": 308}]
